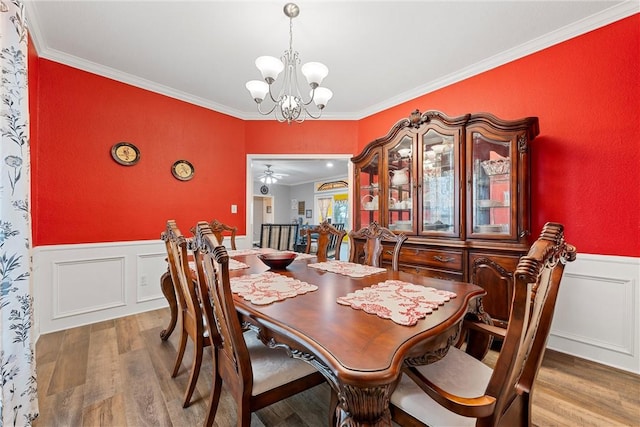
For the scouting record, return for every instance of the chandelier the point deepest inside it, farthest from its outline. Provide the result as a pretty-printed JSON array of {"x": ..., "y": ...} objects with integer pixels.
[{"x": 289, "y": 105}]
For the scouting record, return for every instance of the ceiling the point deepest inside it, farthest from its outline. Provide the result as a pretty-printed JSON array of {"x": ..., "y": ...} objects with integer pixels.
[
  {"x": 379, "y": 53},
  {"x": 301, "y": 170}
]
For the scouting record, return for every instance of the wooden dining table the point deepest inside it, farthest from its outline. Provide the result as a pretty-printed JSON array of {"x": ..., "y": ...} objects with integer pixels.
[{"x": 360, "y": 354}]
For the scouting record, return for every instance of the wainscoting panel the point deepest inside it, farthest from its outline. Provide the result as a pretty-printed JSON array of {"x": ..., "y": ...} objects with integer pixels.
[
  {"x": 150, "y": 268},
  {"x": 598, "y": 311},
  {"x": 76, "y": 285},
  {"x": 88, "y": 285},
  {"x": 81, "y": 284}
]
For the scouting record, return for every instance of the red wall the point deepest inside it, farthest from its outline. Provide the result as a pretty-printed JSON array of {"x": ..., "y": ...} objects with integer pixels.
[
  {"x": 586, "y": 160},
  {"x": 320, "y": 137},
  {"x": 585, "y": 91},
  {"x": 82, "y": 195}
]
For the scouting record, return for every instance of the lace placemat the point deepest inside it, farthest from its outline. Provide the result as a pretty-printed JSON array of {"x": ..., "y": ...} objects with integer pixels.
[
  {"x": 402, "y": 302},
  {"x": 265, "y": 288},
  {"x": 301, "y": 255},
  {"x": 233, "y": 265},
  {"x": 347, "y": 268},
  {"x": 254, "y": 251}
]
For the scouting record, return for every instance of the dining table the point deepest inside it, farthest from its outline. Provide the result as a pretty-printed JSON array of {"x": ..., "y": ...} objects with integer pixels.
[{"x": 339, "y": 324}]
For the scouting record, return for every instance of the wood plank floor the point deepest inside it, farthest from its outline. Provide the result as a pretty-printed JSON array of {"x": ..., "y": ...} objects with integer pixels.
[{"x": 118, "y": 373}]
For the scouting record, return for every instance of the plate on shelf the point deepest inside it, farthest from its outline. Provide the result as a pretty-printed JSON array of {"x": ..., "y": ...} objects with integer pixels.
[
  {"x": 435, "y": 227},
  {"x": 404, "y": 225},
  {"x": 489, "y": 203},
  {"x": 491, "y": 228}
]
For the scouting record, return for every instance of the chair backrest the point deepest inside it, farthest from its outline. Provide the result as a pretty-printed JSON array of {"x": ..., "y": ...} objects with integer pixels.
[
  {"x": 536, "y": 283},
  {"x": 282, "y": 237},
  {"x": 329, "y": 240},
  {"x": 220, "y": 230},
  {"x": 373, "y": 236},
  {"x": 212, "y": 266},
  {"x": 178, "y": 257}
]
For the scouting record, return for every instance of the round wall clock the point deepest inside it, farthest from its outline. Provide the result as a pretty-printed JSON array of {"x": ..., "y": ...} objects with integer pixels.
[
  {"x": 264, "y": 189},
  {"x": 182, "y": 170},
  {"x": 125, "y": 153}
]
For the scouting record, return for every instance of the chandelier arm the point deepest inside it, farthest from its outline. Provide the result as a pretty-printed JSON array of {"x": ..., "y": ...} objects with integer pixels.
[
  {"x": 312, "y": 116},
  {"x": 275, "y": 100},
  {"x": 266, "y": 113}
]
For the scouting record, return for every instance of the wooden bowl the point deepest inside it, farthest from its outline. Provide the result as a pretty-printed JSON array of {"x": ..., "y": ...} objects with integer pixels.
[{"x": 278, "y": 260}]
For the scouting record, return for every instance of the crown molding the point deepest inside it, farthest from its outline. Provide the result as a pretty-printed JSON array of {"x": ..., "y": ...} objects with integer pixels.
[{"x": 608, "y": 16}]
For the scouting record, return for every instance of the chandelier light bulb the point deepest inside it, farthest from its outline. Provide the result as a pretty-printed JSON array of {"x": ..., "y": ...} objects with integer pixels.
[
  {"x": 314, "y": 72},
  {"x": 289, "y": 102},
  {"x": 258, "y": 90},
  {"x": 270, "y": 67},
  {"x": 321, "y": 96}
]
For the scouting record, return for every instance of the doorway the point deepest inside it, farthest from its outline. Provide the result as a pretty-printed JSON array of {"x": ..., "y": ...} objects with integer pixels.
[
  {"x": 255, "y": 201},
  {"x": 262, "y": 214}
]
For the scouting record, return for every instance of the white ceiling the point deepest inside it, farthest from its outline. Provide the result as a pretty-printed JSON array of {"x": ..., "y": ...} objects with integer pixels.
[
  {"x": 299, "y": 170},
  {"x": 379, "y": 53}
]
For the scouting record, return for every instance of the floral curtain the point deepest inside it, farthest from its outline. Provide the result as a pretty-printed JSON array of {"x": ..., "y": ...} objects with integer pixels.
[{"x": 18, "y": 392}]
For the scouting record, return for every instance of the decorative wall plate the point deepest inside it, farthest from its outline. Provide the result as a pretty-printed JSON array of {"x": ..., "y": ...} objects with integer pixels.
[
  {"x": 125, "y": 153},
  {"x": 182, "y": 170}
]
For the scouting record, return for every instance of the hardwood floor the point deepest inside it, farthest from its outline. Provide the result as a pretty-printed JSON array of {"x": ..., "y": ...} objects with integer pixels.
[{"x": 118, "y": 373}]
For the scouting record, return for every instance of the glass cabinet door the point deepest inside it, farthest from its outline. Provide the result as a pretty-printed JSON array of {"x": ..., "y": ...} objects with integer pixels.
[
  {"x": 491, "y": 192},
  {"x": 369, "y": 192},
  {"x": 439, "y": 190},
  {"x": 400, "y": 203}
]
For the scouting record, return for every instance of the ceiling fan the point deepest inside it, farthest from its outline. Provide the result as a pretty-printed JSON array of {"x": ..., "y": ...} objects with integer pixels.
[{"x": 270, "y": 177}]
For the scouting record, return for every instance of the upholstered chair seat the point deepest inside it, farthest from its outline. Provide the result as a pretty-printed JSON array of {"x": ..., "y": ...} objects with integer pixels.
[{"x": 458, "y": 373}]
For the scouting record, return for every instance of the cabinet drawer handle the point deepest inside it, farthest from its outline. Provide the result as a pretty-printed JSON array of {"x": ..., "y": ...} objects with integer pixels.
[{"x": 443, "y": 259}]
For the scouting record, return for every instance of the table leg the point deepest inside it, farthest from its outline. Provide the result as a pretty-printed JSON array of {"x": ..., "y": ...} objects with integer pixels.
[
  {"x": 367, "y": 406},
  {"x": 166, "y": 284}
]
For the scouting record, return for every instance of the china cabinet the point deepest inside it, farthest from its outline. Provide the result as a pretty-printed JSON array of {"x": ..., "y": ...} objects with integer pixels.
[{"x": 458, "y": 187}]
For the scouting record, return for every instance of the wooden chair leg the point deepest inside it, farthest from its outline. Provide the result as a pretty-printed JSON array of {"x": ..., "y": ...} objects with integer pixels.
[
  {"x": 181, "y": 348},
  {"x": 244, "y": 414},
  {"x": 214, "y": 399},
  {"x": 195, "y": 371}
]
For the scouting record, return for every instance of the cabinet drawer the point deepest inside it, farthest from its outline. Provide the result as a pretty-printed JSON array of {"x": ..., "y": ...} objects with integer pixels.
[
  {"x": 450, "y": 260},
  {"x": 432, "y": 272}
]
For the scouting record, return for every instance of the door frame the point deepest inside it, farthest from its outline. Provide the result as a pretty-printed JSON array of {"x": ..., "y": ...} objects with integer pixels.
[{"x": 250, "y": 189}]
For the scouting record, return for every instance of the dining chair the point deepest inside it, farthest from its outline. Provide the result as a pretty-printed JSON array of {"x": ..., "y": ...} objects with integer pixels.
[
  {"x": 190, "y": 311},
  {"x": 328, "y": 242},
  {"x": 462, "y": 391},
  {"x": 373, "y": 236},
  {"x": 254, "y": 374},
  {"x": 220, "y": 230}
]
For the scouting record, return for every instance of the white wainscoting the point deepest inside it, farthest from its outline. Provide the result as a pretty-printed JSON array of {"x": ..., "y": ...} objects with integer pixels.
[
  {"x": 597, "y": 314},
  {"x": 76, "y": 285}
]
